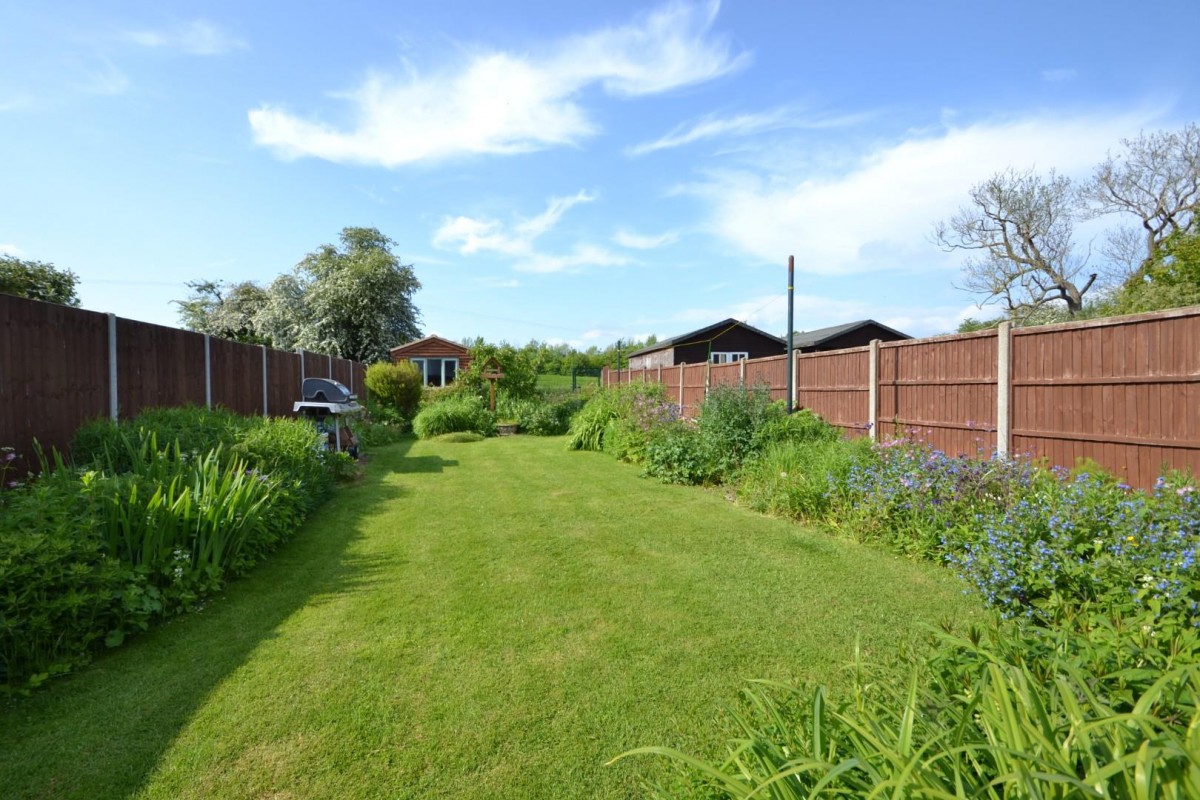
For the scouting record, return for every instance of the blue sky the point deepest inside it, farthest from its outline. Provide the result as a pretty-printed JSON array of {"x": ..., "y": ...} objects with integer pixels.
[{"x": 575, "y": 172}]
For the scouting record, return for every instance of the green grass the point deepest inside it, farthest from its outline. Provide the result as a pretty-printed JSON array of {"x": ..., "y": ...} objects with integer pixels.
[
  {"x": 563, "y": 382},
  {"x": 492, "y": 621}
]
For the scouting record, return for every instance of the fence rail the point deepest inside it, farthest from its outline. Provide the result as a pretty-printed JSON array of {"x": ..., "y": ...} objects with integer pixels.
[
  {"x": 1123, "y": 392},
  {"x": 60, "y": 367}
]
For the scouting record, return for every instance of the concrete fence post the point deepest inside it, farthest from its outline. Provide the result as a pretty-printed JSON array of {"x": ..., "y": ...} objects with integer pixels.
[
  {"x": 681, "y": 366},
  {"x": 707, "y": 377},
  {"x": 330, "y": 357},
  {"x": 113, "y": 408},
  {"x": 1004, "y": 389},
  {"x": 873, "y": 391},
  {"x": 207, "y": 372},
  {"x": 660, "y": 374},
  {"x": 266, "y": 411},
  {"x": 742, "y": 372},
  {"x": 302, "y": 375}
]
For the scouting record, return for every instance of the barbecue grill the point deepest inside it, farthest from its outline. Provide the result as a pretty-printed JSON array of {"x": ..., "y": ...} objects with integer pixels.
[{"x": 328, "y": 402}]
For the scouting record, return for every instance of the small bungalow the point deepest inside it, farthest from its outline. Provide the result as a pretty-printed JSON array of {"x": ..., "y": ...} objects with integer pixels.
[
  {"x": 727, "y": 340},
  {"x": 850, "y": 334},
  {"x": 439, "y": 360}
]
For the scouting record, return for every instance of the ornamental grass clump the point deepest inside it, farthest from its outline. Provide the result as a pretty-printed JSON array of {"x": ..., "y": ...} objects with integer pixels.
[
  {"x": 461, "y": 412},
  {"x": 593, "y": 423},
  {"x": 980, "y": 719}
]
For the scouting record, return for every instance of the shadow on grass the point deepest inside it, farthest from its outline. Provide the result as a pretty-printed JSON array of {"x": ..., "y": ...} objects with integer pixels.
[
  {"x": 102, "y": 731},
  {"x": 425, "y": 464}
]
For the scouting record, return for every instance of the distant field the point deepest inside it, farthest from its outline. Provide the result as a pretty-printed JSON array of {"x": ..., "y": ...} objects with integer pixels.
[{"x": 560, "y": 382}]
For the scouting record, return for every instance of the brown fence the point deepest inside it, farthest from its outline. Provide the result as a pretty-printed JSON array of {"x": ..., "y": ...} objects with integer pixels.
[
  {"x": 58, "y": 366},
  {"x": 1123, "y": 392}
]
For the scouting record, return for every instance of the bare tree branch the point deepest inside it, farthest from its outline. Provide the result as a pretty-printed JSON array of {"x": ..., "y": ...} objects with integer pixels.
[{"x": 1021, "y": 225}]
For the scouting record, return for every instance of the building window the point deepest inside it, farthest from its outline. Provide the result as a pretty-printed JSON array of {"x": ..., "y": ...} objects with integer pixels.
[
  {"x": 436, "y": 371},
  {"x": 725, "y": 358}
]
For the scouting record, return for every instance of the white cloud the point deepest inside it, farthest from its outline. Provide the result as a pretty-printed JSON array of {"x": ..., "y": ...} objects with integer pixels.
[
  {"x": 471, "y": 236},
  {"x": 501, "y": 103},
  {"x": 7, "y": 249},
  {"x": 637, "y": 241},
  {"x": 581, "y": 255},
  {"x": 498, "y": 283},
  {"x": 877, "y": 213},
  {"x": 1059, "y": 75},
  {"x": 198, "y": 37}
]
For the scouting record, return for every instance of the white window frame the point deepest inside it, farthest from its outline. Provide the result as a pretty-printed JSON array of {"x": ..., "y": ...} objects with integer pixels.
[
  {"x": 723, "y": 357},
  {"x": 423, "y": 363}
]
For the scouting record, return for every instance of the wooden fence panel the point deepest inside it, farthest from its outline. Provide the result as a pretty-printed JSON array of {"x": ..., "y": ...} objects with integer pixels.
[
  {"x": 836, "y": 386},
  {"x": 940, "y": 390},
  {"x": 237, "y": 376},
  {"x": 694, "y": 388},
  {"x": 1123, "y": 392},
  {"x": 724, "y": 375},
  {"x": 284, "y": 387},
  {"x": 771, "y": 371},
  {"x": 157, "y": 366},
  {"x": 53, "y": 375}
]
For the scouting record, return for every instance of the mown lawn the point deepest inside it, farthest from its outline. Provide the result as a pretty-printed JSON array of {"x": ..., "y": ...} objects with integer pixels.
[{"x": 486, "y": 620}]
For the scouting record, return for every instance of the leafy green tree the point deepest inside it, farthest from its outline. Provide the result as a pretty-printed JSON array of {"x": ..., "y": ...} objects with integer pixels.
[
  {"x": 228, "y": 310},
  {"x": 38, "y": 280},
  {"x": 520, "y": 377},
  {"x": 357, "y": 298},
  {"x": 1171, "y": 278}
]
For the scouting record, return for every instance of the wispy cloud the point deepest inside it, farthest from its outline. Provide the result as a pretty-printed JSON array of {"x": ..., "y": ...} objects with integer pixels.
[
  {"x": 876, "y": 213},
  {"x": 502, "y": 103},
  {"x": 197, "y": 37},
  {"x": 106, "y": 79},
  {"x": 637, "y": 241},
  {"x": 8, "y": 249},
  {"x": 1059, "y": 75},
  {"x": 471, "y": 236},
  {"x": 712, "y": 126},
  {"x": 498, "y": 283}
]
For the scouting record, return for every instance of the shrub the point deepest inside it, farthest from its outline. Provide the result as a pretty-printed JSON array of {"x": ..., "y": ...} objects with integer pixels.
[
  {"x": 913, "y": 497},
  {"x": 395, "y": 386},
  {"x": 461, "y": 413},
  {"x": 1087, "y": 541},
  {"x": 675, "y": 454},
  {"x": 195, "y": 429},
  {"x": 801, "y": 426},
  {"x": 805, "y": 479},
  {"x": 91, "y": 555},
  {"x": 729, "y": 419},
  {"x": 62, "y": 594},
  {"x": 286, "y": 449},
  {"x": 636, "y": 406}
]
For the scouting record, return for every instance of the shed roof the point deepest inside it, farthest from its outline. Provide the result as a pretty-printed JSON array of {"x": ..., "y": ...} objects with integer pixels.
[
  {"x": 702, "y": 335},
  {"x": 818, "y": 337},
  {"x": 401, "y": 349}
]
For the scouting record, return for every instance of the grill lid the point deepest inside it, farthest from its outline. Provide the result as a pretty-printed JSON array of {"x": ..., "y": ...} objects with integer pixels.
[{"x": 326, "y": 390}]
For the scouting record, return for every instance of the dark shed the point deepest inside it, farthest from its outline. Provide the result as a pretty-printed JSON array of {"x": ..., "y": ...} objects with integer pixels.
[
  {"x": 727, "y": 340},
  {"x": 850, "y": 334}
]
